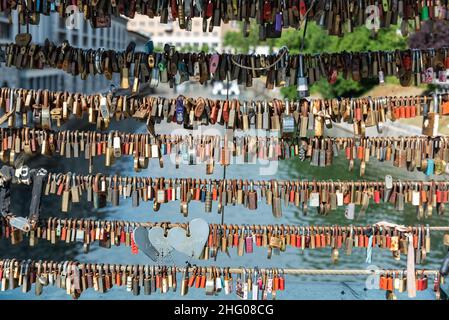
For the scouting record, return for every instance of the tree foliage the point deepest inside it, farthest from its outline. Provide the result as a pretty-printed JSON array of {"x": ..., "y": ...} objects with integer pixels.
[
  {"x": 432, "y": 35},
  {"x": 317, "y": 41}
]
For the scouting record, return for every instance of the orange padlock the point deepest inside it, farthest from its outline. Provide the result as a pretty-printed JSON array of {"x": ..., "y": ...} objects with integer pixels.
[
  {"x": 192, "y": 279},
  {"x": 214, "y": 193},
  {"x": 317, "y": 241},
  {"x": 412, "y": 111},
  {"x": 383, "y": 282},
  {"x": 445, "y": 108},
  {"x": 408, "y": 112},
  {"x": 275, "y": 283},
  {"x": 390, "y": 283},
  {"x": 402, "y": 112},
  {"x": 360, "y": 152}
]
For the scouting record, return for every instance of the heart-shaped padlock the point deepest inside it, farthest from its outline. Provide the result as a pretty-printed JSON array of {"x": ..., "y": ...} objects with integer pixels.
[
  {"x": 159, "y": 241},
  {"x": 142, "y": 240},
  {"x": 190, "y": 242}
]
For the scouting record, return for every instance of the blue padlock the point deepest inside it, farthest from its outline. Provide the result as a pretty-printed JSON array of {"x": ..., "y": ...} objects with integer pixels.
[
  {"x": 430, "y": 167},
  {"x": 179, "y": 111}
]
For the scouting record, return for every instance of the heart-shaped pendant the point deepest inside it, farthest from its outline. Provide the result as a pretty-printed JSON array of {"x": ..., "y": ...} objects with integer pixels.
[
  {"x": 142, "y": 240},
  {"x": 193, "y": 244},
  {"x": 159, "y": 241}
]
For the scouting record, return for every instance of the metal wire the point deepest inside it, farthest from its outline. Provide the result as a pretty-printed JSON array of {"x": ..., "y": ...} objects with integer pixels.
[
  {"x": 44, "y": 221},
  {"x": 234, "y": 270}
]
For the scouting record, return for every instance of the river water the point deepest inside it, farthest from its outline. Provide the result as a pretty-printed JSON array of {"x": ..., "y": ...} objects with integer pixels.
[{"x": 297, "y": 287}]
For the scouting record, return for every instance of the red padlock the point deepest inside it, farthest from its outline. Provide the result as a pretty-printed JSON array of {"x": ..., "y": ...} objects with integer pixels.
[
  {"x": 209, "y": 9},
  {"x": 292, "y": 196},
  {"x": 423, "y": 282},
  {"x": 174, "y": 8},
  {"x": 281, "y": 283},
  {"x": 302, "y": 8},
  {"x": 267, "y": 13},
  {"x": 236, "y": 240},
  {"x": 348, "y": 153},
  {"x": 134, "y": 249},
  {"x": 439, "y": 195},
  {"x": 407, "y": 62},
  {"x": 388, "y": 241},
  {"x": 445, "y": 196},
  {"x": 339, "y": 241},
  {"x": 376, "y": 196}
]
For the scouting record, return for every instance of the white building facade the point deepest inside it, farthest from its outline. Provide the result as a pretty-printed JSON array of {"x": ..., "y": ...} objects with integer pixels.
[{"x": 84, "y": 36}]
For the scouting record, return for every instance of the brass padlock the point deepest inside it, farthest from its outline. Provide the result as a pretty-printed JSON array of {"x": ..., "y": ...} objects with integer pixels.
[{"x": 446, "y": 239}]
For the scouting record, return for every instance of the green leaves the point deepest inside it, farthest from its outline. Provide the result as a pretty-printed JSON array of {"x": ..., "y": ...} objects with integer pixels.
[{"x": 318, "y": 41}]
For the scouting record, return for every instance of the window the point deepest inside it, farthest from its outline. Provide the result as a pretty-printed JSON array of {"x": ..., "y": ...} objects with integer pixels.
[
  {"x": 55, "y": 82},
  {"x": 85, "y": 41},
  {"x": 114, "y": 33},
  {"x": 5, "y": 30},
  {"x": 61, "y": 36}
]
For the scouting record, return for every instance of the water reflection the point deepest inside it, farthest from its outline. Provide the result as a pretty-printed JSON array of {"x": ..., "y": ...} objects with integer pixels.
[{"x": 297, "y": 287}]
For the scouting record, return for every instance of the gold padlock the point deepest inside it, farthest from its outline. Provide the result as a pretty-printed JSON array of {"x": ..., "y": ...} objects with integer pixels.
[
  {"x": 275, "y": 242},
  {"x": 446, "y": 239}
]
